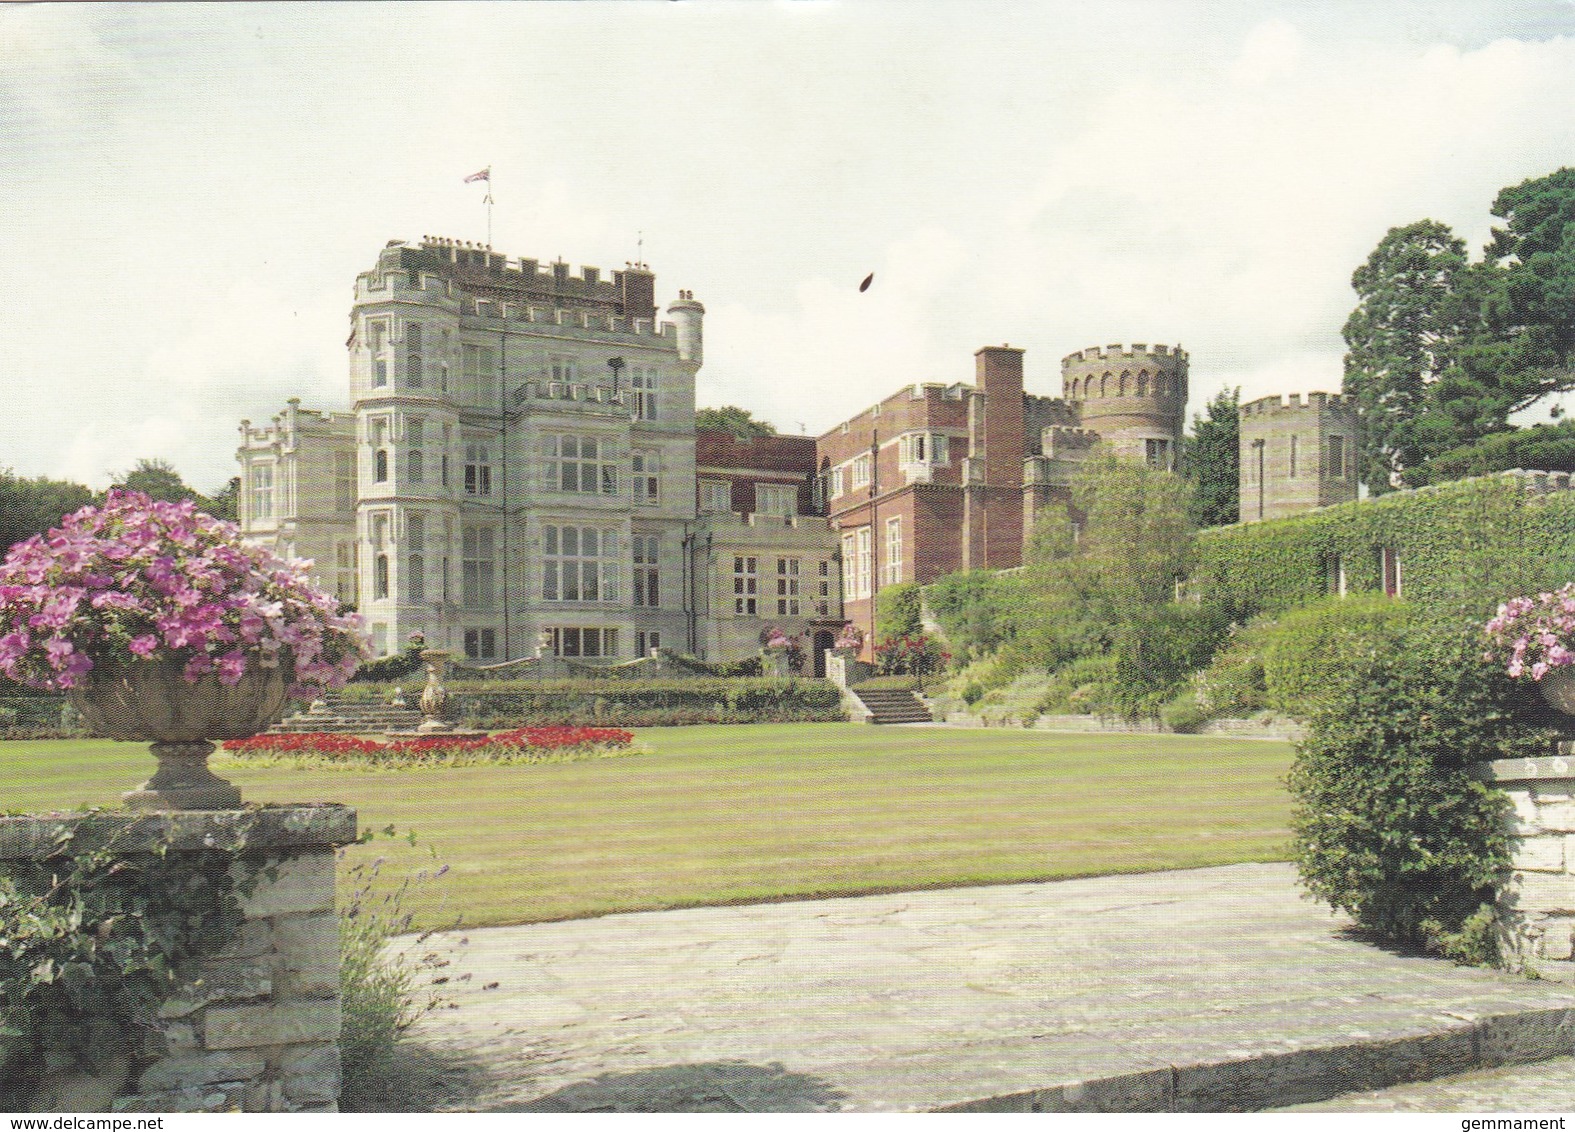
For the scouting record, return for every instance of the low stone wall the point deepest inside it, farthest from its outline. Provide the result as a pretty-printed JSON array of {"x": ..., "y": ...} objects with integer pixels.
[
  {"x": 1536, "y": 901},
  {"x": 257, "y": 1029}
]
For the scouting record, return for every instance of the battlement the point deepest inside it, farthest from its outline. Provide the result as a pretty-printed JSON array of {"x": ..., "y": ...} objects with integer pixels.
[
  {"x": 464, "y": 272},
  {"x": 1171, "y": 354},
  {"x": 1062, "y": 441},
  {"x": 1293, "y": 403},
  {"x": 286, "y": 425}
]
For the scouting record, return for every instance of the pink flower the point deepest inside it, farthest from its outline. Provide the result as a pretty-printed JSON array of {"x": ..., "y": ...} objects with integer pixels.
[
  {"x": 232, "y": 666},
  {"x": 145, "y": 645}
]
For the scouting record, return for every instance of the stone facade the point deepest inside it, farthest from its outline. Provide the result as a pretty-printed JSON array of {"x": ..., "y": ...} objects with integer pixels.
[
  {"x": 1536, "y": 904},
  {"x": 519, "y": 463},
  {"x": 257, "y": 1029},
  {"x": 1297, "y": 455}
]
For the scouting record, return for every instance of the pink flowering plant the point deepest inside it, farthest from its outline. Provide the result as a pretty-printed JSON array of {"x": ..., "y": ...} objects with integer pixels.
[
  {"x": 850, "y": 637},
  {"x": 136, "y": 579},
  {"x": 1532, "y": 635}
]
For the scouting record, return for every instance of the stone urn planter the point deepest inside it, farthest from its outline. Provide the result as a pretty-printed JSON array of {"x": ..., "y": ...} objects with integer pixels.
[
  {"x": 151, "y": 700},
  {"x": 434, "y": 697},
  {"x": 1558, "y": 688}
]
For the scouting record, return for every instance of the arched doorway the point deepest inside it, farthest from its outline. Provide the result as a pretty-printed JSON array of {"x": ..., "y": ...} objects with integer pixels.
[{"x": 822, "y": 645}]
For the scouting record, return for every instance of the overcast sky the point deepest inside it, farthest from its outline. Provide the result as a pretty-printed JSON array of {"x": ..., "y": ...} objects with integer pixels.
[{"x": 189, "y": 190}]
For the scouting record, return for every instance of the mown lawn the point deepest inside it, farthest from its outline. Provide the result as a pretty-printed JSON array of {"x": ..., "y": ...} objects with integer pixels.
[{"x": 715, "y": 815}]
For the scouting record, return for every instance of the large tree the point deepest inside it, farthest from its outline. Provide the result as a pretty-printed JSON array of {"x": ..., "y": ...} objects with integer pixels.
[
  {"x": 1442, "y": 352},
  {"x": 1212, "y": 460},
  {"x": 1410, "y": 315},
  {"x": 33, "y": 506},
  {"x": 730, "y": 418}
]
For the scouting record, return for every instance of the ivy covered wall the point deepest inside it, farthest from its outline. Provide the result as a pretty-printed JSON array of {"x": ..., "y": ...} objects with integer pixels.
[{"x": 1465, "y": 546}]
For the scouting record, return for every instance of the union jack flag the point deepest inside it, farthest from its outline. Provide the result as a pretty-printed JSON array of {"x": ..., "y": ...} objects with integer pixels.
[{"x": 484, "y": 175}]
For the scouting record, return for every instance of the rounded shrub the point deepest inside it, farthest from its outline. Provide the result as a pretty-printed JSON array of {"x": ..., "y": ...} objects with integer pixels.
[
  {"x": 1390, "y": 822},
  {"x": 1307, "y": 652}
]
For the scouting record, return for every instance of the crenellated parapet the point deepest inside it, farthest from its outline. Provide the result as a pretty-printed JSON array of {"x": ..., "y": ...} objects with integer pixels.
[
  {"x": 1136, "y": 371},
  {"x": 1297, "y": 403}
]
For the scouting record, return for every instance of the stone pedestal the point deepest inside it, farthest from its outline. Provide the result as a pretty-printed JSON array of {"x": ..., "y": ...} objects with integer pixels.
[
  {"x": 1536, "y": 901},
  {"x": 257, "y": 1029}
]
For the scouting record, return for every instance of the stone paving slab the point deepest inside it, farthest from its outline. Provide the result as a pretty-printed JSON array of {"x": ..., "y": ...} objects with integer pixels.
[
  {"x": 1546, "y": 1087},
  {"x": 1201, "y": 990}
]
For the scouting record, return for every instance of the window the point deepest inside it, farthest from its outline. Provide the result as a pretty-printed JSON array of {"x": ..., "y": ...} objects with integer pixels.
[
  {"x": 584, "y": 642},
  {"x": 582, "y": 464},
  {"x": 262, "y": 491},
  {"x": 377, "y": 340},
  {"x": 862, "y": 576},
  {"x": 380, "y": 466},
  {"x": 643, "y": 382},
  {"x": 379, "y": 639},
  {"x": 480, "y": 375},
  {"x": 481, "y": 644},
  {"x": 1292, "y": 468},
  {"x": 1156, "y": 453},
  {"x": 861, "y": 471},
  {"x": 645, "y": 643},
  {"x": 647, "y": 573},
  {"x": 580, "y": 564},
  {"x": 416, "y": 567},
  {"x": 893, "y": 564},
  {"x": 746, "y": 585},
  {"x": 344, "y": 571},
  {"x": 413, "y": 365},
  {"x": 922, "y": 448},
  {"x": 344, "y": 481},
  {"x": 476, "y": 568},
  {"x": 776, "y": 498},
  {"x": 415, "y": 465},
  {"x": 823, "y": 590},
  {"x": 565, "y": 369},
  {"x": 787, "y": 587},
  {"x": 646, "y": 478},
  {"x": 716, "y": 495},
  {"x": 850, "y": 565},
  {"x": 478, "y": 470},
  {"x": 1334, "y": 575},
  {"x": 1389, "y": 564},
  {"x": 415, "y": 431},
  {"x": 1337, "y": 457},
  {"x": 380, "y": 576}
]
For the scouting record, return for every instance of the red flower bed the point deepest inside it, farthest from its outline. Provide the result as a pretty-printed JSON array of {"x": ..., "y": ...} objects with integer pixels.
[{"x": 521, "y": 741}]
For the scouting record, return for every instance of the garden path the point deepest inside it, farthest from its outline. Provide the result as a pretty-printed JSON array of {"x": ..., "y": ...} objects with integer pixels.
[{"x": 1207, "y": 989}]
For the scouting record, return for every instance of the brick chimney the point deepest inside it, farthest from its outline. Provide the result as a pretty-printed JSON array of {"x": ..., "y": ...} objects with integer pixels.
[{"x": 998, "y": 439}]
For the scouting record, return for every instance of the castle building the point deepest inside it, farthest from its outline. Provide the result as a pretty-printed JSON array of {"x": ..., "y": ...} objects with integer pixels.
[
  {"x": 517, "y": 470},
  {"x": 940, "y": 478},
  {"x": 1297, "y": 455}
]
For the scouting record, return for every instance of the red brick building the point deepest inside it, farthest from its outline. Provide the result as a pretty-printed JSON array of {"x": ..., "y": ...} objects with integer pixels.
[{"x": 940, "y": 478}]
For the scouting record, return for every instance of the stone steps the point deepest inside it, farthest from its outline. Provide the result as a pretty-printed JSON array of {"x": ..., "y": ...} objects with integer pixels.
[
  {"x": 894, "y": 706},
  {"x": 335, "y": 716}
]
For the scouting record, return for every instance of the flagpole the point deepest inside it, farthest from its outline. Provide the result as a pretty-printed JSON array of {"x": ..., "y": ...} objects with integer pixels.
[{"x": 489, "y": 208}]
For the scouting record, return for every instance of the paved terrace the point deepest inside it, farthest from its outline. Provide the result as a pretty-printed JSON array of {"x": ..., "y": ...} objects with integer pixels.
[{"x": 1206, "y": 990}]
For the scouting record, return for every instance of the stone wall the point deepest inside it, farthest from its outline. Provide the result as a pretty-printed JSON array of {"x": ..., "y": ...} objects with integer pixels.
[
  {"x": 1536, "y": 902},
  {"x": 256, "y": 1030}
]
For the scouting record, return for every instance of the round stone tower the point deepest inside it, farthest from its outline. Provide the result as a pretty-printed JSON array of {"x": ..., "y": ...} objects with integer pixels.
[
  {"x": 1134, "y": 397},
  {"x": 687, "y": 314}
]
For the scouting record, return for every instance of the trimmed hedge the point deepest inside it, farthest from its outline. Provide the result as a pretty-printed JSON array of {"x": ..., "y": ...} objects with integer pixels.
[
  {"x": 645, "y": 703},
  {"x": 1463, "y": 547}
]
